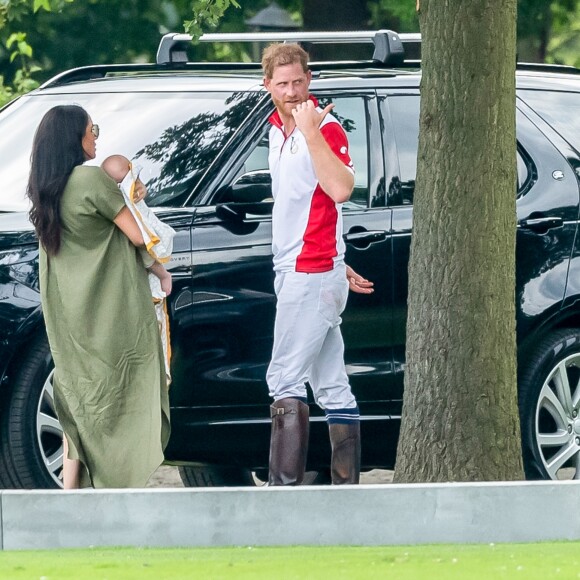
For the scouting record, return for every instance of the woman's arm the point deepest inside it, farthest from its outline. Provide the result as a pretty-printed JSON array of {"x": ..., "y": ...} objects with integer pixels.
[{"x": 127, "y": 224}]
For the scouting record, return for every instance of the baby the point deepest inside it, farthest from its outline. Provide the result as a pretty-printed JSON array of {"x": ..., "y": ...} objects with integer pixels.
[{"x": 158, "y": 238}]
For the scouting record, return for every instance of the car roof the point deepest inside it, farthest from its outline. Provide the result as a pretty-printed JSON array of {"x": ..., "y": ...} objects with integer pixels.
[
  {"x": 177, "y": 80},
  {"x": 548, "y": 79}
]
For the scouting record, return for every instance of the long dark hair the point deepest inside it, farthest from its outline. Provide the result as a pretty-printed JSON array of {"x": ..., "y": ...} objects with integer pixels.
[{"x": 56, "y": 150}]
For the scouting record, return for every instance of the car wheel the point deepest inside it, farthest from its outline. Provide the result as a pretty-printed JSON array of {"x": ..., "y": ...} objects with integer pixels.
[
  {"x": 31, "y": 447},
  {"x": 214, "y": 476},
  {"x": 550, "y": 408},
  {"x": 220, "y": 476},
  {"x": 310, "y": 478}
]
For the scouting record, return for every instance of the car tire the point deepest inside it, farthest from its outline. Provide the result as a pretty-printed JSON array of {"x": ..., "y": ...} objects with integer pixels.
[
  {"x": 25, "y": 445},
  {"x": 549, "y": 399},
  {"x": 221, "y": 476},
  {"x": 215, "y": 476}
]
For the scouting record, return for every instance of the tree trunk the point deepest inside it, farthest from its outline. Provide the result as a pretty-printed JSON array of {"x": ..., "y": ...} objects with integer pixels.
[{"x": 460, "y": 419}]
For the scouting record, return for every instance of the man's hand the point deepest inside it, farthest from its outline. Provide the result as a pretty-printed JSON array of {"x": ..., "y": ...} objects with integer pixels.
[
  {"x": 307, "y": 118},
  {"x": 357, "y": 283}
]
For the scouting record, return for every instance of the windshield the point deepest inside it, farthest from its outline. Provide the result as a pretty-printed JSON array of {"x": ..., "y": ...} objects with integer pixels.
[{"x": 173, "y": 137}]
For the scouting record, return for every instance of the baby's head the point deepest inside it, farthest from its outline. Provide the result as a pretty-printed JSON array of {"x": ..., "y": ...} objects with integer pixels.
[{"x": 117, "y": 167}]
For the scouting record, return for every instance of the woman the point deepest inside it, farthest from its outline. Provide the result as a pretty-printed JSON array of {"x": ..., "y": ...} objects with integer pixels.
[{"x": 109, "y": 381}]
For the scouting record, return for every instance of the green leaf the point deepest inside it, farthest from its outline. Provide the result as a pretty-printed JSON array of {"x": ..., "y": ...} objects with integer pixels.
[
  {"x": 15, "y": 37},
  {"x": 38, "y": 4},
  {"x": 206, "y": 14},
  {"x": 25, "y": 49}
]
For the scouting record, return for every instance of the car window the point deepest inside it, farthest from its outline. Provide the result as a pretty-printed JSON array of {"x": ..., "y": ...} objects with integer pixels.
[
  {"x": 559, "y": 109},
  {"x": 524, "y": 166},
  {"x": 405, "y": 111},
  {"x": 258, "y": 158},
  {"x": 252, "y": 179},
  {"x": 252, "y": 182},
  {"x": 405, "y": 118},
  {"x": 174, "y": 137},
  {"x": 351, "y": 112}
]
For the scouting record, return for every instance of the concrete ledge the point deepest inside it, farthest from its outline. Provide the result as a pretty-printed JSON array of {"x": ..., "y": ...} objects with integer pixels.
[{"x": 319, "y": 515}]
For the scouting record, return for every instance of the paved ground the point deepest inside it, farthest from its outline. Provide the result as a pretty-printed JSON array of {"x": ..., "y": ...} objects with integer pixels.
[{"x": 167, "y": 476}]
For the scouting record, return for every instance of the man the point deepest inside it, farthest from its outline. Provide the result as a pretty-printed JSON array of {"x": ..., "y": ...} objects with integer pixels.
[{"x": 312, "y": 175}]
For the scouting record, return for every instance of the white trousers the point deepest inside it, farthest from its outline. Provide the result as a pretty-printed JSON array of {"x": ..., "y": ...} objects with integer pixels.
[{"x": 308, "y": 345}]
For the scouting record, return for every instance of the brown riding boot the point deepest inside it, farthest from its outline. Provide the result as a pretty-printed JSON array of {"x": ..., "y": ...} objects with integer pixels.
[
  {"x": 345, "y": 443},
  {"x": 289, "y": 442}
]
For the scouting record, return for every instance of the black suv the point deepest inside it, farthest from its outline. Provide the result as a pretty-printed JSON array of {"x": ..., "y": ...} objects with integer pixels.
[{"x": 200, "y": 132}]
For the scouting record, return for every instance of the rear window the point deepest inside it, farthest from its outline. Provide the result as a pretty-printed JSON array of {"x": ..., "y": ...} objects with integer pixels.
[
  {"x": 560, "y": 110},
  {"x": 405, "y": 110},
  {"x": 174, "y": 137}
]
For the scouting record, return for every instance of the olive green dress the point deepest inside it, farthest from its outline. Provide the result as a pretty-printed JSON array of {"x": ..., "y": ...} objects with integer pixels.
[{"x": 109, "y": 384}]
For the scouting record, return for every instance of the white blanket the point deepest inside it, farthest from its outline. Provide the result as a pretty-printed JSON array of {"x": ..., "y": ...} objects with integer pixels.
[{"x": 158, "y": 238}]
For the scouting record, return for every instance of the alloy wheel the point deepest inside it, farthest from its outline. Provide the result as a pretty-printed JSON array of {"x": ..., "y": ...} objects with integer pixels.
[
  {"x": 557, "y": 420},
  {"x": 49, "y": 432}
]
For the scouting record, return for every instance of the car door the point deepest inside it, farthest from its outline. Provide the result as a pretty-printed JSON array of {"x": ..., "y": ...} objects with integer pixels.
[
  {"x": 366, "y": 223},
  {"x": 400, "y": 113},
  {"x": 547, "y": 206},
  {"x": 367, "y": 319},
  {"x": 546, "y": 212}
]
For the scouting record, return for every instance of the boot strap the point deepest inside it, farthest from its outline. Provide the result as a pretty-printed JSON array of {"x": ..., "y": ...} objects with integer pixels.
[{"x": 281, "y": 411}]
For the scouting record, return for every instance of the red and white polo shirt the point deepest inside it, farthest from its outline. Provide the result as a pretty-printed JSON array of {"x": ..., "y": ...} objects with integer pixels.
[{"x": 306, "y": 223}]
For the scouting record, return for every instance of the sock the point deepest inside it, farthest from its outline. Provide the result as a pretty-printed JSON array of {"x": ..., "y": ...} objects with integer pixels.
[{"x": 343, "y": 416}]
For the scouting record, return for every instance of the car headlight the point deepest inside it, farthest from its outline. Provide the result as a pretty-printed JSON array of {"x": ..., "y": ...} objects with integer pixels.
[{"x": 20, "y": 265}]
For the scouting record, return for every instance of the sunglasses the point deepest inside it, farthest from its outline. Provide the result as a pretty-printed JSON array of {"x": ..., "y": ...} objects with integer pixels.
[{"x": 95, "y": 131}]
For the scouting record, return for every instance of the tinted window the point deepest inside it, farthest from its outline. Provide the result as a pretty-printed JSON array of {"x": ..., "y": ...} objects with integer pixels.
[
  {"x": 558, "y": 109},
  {"x": 254, "y": 173},
  {"x": 173, "y": 137},
  {"x": 351, "y": 112},
  {"x": 405, "y": 119},
  {"x": 251, "y": 182},
  {"x": 524, "y": 174}
]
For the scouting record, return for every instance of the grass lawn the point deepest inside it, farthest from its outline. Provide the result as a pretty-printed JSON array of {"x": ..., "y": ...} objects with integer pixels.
[{"x": 527, "y": 561}]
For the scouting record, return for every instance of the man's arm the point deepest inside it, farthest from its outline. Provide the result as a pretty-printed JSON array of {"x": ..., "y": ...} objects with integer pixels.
[{"x": 332, "y": 174}]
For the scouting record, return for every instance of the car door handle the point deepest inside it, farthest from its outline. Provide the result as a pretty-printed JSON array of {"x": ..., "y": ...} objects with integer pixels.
[
  {"x": 364, "y": 238},
  {"x": 541, "y": 224}
]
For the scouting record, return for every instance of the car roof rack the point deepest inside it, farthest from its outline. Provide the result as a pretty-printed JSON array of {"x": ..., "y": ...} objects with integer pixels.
[
  {"x": 389, "y": 46},
  {"x": 99, "y": 71},
  {"x": 390, "y": 50}
]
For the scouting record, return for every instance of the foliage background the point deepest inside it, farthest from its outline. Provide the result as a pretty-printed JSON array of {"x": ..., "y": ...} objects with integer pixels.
[{"x": 39, "y": 38}]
